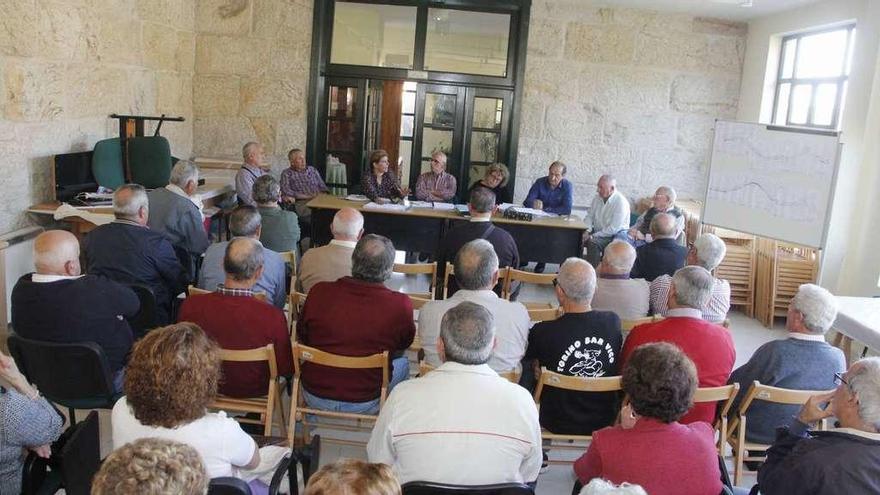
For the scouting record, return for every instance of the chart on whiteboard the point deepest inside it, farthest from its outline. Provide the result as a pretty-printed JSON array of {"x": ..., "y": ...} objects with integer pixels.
[{"x": 780, "y": 174}]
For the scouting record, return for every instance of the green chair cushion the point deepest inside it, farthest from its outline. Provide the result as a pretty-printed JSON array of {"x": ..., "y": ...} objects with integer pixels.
[
  {"x": 107, "y": 163},
  {"x": 149, "y": 161}
]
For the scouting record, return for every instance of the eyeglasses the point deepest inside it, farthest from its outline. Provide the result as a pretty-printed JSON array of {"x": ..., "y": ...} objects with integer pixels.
[{"x": 839, "y": 376}]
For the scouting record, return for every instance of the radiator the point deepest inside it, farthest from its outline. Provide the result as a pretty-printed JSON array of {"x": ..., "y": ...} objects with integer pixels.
[{"x": 16, "y": 259}]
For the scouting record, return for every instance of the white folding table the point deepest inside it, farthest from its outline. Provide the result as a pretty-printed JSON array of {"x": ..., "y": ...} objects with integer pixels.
[{"x": 858, "y": 319}]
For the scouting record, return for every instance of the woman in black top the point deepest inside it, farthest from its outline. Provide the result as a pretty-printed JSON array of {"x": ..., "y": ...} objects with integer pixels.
[
  {"x": 380, "y": 185},
  {"x": 496, "y": 181}
]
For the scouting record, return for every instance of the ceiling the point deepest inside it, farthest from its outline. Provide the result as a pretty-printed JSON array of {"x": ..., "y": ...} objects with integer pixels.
[{"x": 725, "y": 9}]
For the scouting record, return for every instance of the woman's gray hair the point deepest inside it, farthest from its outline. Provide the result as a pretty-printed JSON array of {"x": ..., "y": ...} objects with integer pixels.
[
  {"x": 817, "y": 306},
  {"x": 468, "y": 333},
  {"x": 372, "y": 259},
  {"x": 864, "y": 382},
  {"x": 128, "y": 200},
  {"x": 710, "y": 251},
  {"x": 601, "y": 487},
  {"x": 475, "y": 265},
  {"x": 266, "y": 189},
  {"x": 667, "y": 191},
  {"x": 243, "y": 257},
  {"x": 693, "y": 286},
  {"x": 578, "y": 280},
  {"x": 183, "y": 172}
]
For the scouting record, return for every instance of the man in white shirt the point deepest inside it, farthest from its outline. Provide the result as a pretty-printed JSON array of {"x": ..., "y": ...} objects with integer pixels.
[
  {"x": 460, "y": 424},
  {"x": 331, "y": 262},
  {"x": 609, "y": 218},
  {"x": 615, "y": 291},
  {"x": 476, "y": 270}
]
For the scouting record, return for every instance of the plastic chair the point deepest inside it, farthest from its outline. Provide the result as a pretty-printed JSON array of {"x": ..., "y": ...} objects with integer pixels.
[
  {"x": 429, "y": 488},
  {"x": 308, "y": 457},
  {"x": 77, "y": 376},
  {"x": 76, "y": 457},
  {"x": 146, "y": 318},
  {"x": 149, "y": 160},
  {"x": 107, "y": 163},
  {"x": 228, "y": 485}
]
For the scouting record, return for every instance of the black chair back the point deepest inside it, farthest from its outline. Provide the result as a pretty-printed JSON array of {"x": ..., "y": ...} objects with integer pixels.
[
  {"x": 76, "y": 457},
  {"x": 428, "y": 488},
  {"x": 76, "y": 376},
  {"x": 309, "y": 457},
  {"x": 147, "y": 317},
  {"x": 228, "y": 485}
]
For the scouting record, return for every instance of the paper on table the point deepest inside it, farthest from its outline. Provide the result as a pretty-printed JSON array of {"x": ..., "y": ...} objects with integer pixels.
[
  {"x": 444, "y": 206},
  {"x": 357, "y": 197},
  {"x": 537, "y": 213},
  {"x": 385, "y": 207},
  {"x": 420, "y": 204}
]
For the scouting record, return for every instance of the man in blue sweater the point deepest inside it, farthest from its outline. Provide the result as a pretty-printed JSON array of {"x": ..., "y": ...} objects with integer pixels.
[
  {"x": 552, "y": 194},
  {"x": 803, "y": 361}
]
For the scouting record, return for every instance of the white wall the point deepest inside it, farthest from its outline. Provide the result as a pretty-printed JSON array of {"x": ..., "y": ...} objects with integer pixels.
[{"x": 850, "y": 264}]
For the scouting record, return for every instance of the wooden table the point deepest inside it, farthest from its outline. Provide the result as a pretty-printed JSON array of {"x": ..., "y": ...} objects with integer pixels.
[
  {"x": 545, "y": 239},
  {"x": 212, "y": 193},
  {"x": 858, "y": 319}
]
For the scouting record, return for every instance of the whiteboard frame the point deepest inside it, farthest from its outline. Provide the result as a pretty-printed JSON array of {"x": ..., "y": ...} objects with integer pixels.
[{"x": 769, "y": 127}]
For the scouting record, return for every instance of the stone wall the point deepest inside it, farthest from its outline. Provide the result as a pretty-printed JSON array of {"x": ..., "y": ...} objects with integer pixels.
[
  {"x": 251, "y": 76},
  {"x": 65, "y": 65},
  {"x": 628, "y": 92}
]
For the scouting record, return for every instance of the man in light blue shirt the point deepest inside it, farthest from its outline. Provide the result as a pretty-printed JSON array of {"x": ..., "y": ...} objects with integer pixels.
[
  {"x": 552, "y": 193},
  {"x": 245, "y": 222}
]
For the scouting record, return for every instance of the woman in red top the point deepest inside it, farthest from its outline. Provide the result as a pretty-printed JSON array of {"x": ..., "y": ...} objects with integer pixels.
[{"x": 648, "y": 446}]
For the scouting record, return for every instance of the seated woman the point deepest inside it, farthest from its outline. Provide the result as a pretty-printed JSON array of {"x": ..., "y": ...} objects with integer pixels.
[
  {"x": 380, "y": 185},
  {"x": 280, "y": 227},
  {"x": 496, "y": 181},
  {"x": 648, "y": 446},
  {"x": 436, "y": 184},
  {"x": 27, "y": 422},
  {"x": 152, "y": 466},
  {"x": 170, "y": 380}
]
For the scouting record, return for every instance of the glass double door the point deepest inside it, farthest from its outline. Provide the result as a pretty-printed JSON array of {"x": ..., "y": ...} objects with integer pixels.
[{"x": 471, "y": 125}]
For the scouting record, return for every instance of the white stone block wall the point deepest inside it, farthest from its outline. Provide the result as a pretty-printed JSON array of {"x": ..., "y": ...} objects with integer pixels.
[
  {"x": 66, "y": 65},
  {"x": 629, "y": 92}
]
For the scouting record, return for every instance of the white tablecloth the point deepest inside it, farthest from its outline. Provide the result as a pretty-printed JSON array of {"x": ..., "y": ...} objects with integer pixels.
[{"x": 859, "y": 319}]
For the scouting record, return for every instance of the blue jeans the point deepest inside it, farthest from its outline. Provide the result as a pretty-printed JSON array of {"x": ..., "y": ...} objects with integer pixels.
[{"x": 399, "y": 373}]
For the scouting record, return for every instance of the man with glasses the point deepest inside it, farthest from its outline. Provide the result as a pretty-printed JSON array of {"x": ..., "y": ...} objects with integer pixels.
[
  {"x": 843, "y": 460},
  {"x": 436, "y": 184},
  {"x": 803, "y": 361}
]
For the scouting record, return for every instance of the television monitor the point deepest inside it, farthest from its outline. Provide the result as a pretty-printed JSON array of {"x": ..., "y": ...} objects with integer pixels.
[{"x": 73, "y": 175}]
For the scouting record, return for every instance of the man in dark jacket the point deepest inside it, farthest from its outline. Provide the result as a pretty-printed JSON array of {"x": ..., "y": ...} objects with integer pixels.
[
  {"x": 843, "y": 460},
  {"x": 59, "y": 304},
  {"x": 663, "y": 255},
  {"x": 128, "y": 251}
]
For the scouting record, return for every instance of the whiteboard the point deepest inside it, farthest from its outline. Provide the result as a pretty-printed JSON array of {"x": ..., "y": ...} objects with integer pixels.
[{"x": 772, "y": 181}]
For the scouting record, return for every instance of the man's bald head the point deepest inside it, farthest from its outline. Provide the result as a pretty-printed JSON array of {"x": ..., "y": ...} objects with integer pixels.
[
  {"x": 606, "y": 186},
  {"x": 130, "y": 202},
  {"x": 476, "y": 265},
  {"x": 663, "y": 226},
  {"x": 243, "y": 259},
  {"x": 56, "y": 252},
  {"x": 348, "y": 225},
  {"x": 618, "y": 258}
]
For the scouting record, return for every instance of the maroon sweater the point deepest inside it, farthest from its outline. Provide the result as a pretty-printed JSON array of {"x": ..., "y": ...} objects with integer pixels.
[
  {"x": 239, "y": 323},
  {"x": 353, "y": 318}
]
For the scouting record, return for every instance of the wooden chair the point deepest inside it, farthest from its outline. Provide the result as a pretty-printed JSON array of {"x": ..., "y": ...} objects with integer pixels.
[
  {"x": 450, "y": 271},
  {"x": 429, "y": 269},
  {"x": 627, "y": 325},
  {"x": 726, "y": 323},
  {"x": 512, "y": 376},
  {"x": 514, "y": 275},
  {"x": 192, "y": 290},
  {"x": 726, "y": 393},
  {"x": 417, "y": 301},
  {"x": 575, "y": 384},
  {"x": 300, "y": 412},
  {"x": 544, "y": 314},
  {"x": 296, "y": 300},
  {"x": 264, "y": 406},
  {"x": 766, "y": 393}
]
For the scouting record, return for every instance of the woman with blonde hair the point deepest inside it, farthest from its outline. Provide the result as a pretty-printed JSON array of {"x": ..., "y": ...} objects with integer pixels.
[
  {"x": 495, "y": 180},
  {"x": 152, "y": 466},
  {"x": 354, "y": 477}
]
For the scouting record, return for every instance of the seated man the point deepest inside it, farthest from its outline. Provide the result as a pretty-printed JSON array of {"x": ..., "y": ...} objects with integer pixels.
[
  {"x": 479, "y": 226},
  {"x": 331, "y": 262},
  {"x": 280, "y": 231},
  {"x": 708, "y": 251},
  {"x": 461, "y": 424},
  {"x": 664, "y": 202},
  {"x": 300, "y": 183},
  {"x": 583, "y": 343},
  {"x": 608, "y": 218},
  {"x": 237, "y": 320},
  {"x": 663, "y": 255},
  {"x": 59, "y": 304},
  {"x": 436, "y": 184},
  {"x": 615, "y": 291},
  {"x": 803, "y": 361},
  {"x": 250, "y": 171},
  {"x": 245, "y": 222},
  {"x": 128, "y": 251},
  {"x": 552, "y": 193},
  {"x": 175, "y": 210},
  {"x": 708, "y": 345},
  {"x": 356, "y": 316},
  {"x": 842, "y": 461},
  {"x": 476, "y": 268}
]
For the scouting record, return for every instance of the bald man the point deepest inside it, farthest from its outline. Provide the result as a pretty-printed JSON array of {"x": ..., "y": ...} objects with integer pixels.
[
  {"x": 663, "y": 255},
  {"x": 615, "y": 290},
  {"x": 331, "y": 262},
  {"x": 58, "y": 303}
]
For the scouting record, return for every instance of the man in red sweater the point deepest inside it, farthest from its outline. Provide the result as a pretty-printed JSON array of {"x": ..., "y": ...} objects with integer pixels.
[
  {"x": 237, "y": 320},
  {"x": 356, "y": 316},
  {"x": 708, "y": 345}
]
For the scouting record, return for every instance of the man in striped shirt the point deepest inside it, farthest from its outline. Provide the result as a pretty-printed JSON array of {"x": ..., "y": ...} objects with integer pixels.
[
  {"x": 436, "y": 184},
  {"x": 708, "y": 251}
]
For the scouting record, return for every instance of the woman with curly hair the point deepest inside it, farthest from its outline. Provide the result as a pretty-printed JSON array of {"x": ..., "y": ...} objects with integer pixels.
[
  {"x": 170, "y": 380},
  {"x": 649, "y": 446},
  {"x": 354, "y": 477},
  {"x": 495, "y": 180},
  {"x": 152, "y": 466}
]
